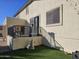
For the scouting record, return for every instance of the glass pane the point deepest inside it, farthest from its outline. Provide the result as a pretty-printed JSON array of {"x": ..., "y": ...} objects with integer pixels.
[{"x": 53, "y": 16}]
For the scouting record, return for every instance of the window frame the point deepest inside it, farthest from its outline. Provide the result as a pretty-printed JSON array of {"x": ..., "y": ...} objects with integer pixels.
[
  {"x": 1, "y": 35},
  {"x": 27, "y": 11},
  {"x": 61, "y": 17}
]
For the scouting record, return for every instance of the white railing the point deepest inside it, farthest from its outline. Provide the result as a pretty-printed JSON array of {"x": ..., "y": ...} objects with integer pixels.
[{"x": 49, "y": 40}]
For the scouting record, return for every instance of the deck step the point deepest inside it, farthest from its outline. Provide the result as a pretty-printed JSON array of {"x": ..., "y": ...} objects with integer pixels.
[
  {"x": 3, "y": 46},
  {"x": 4, "y": 49}
]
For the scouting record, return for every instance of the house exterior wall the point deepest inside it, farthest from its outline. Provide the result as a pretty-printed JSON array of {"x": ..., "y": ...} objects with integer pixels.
[{"x": 67, "y": 33}]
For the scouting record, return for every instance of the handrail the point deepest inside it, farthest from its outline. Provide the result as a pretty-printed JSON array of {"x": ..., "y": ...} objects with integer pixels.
[{"x": 55, "y": 44}]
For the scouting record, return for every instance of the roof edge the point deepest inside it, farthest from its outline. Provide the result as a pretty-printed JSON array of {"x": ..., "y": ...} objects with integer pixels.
[{"x": 28, "y": 3}]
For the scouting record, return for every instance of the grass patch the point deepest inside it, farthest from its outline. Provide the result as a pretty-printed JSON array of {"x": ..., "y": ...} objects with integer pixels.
[{"x": 40, "y": 52}]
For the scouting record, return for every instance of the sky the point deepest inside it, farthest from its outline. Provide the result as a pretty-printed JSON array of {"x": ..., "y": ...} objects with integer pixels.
[{"x": 9, "y": 8}]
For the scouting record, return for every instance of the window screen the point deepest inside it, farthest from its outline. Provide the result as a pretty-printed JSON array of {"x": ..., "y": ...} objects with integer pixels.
[{"x": 53, "y": 16}]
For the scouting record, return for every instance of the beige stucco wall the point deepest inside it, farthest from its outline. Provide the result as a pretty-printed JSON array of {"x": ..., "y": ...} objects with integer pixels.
[{"x": 66, "y": 34}]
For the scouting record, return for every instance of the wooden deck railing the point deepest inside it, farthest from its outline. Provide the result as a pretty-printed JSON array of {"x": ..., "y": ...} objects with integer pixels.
[{"x": 50, "y": 40}]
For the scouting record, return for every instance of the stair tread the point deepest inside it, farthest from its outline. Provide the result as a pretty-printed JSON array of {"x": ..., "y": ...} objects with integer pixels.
[{"x": 4, "y": 49}]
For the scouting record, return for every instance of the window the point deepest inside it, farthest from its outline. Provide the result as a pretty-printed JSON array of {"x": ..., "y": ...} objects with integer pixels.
[
  {"x": 53, "y": 16},
  {"x": 1, "y": 27},
  {"x": 27, "y": 11},
  {"x": 1, "y": 35}
]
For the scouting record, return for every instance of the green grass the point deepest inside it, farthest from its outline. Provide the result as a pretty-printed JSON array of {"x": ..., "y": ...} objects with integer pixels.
[{"x": 40, "y": 52}]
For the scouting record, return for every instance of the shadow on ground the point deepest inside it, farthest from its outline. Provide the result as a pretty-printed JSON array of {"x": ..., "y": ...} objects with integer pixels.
[{"x": 40, "y": 52}]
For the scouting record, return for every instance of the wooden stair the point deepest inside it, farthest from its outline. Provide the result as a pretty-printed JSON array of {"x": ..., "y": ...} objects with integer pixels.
[
  {"x": 3, "y": 46},
  {"x": 4, "y": 49}
]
